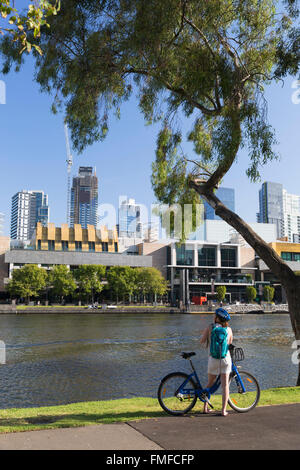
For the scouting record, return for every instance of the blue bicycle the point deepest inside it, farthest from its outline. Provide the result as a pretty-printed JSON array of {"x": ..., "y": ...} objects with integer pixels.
[{"x": 178, "y": 391}]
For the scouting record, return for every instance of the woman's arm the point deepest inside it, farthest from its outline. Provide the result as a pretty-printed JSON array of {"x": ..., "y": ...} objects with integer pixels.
[
  {"x": 204, "y": 337},
  {"x": 230, "y": 336}
]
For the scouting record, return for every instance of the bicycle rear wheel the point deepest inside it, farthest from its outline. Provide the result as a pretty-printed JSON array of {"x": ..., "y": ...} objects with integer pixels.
[
  {"x": 173, "y": 397},
  {"x": 243, "y": 401}
]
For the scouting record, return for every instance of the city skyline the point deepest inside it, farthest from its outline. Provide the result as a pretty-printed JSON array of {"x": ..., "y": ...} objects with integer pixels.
[
  {"x": 39, "y": 151},
  {"x": 133, "y": 220}
]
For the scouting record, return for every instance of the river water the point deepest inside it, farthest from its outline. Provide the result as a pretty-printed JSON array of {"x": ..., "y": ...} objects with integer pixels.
[{"x": 57, "y": 359}]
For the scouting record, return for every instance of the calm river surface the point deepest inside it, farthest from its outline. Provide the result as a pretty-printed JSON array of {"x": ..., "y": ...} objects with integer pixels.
[{"x": 57, "y": 359}]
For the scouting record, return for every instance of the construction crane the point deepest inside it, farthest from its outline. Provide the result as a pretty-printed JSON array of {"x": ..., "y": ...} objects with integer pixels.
[{"x": 69, "y": 161}]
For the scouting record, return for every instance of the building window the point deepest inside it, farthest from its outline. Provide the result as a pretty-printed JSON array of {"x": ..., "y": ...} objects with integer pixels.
[
  {"x": 78, "y": 246},
  {"x": 228, "y": 257},
  {"x": 287, "y": 256},
  {"x": 116, "y": 247},
  {"x": 184, "y": 257},
  {"x": 51, "y": 245},
  {"x": 91, "y": 246},
  {"x": 39, "y": 245},
  {"x": 104, "y": 246},
  {"x": 65, "y": 246},
  {"x": 207, "y": 256}
]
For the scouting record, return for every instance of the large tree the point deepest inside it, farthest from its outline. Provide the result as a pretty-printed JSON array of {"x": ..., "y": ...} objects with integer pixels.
[
  {"x": 27, "y": 281},
  {"x": 207, "y": 61},
  {"x": 121, "y": 281},
  {"x": 89, "y": 279},
  {"x": 61, "y": 280},
  {"x": 149, "y": 281}
]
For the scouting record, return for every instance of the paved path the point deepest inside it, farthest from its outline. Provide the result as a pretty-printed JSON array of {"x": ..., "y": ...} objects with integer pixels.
[
  {"x": 267, "y": 428},
  {"x": 273, "y": 427},
  {"x": 101, "y": 437}
]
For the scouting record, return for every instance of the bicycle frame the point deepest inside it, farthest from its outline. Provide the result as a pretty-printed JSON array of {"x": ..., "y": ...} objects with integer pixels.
[{"x": 204, "y": 394}]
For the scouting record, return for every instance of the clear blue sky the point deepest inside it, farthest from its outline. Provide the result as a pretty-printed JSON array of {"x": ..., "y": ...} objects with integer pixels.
[{"x": 33, "y": 151}]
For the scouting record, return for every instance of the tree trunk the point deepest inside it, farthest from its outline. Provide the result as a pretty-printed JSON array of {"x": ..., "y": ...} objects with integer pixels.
[
  {"x": 293, "y": 298},
  {"x": 289, "y": 280}
]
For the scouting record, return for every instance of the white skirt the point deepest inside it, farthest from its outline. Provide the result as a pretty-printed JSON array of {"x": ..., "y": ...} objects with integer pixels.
[{"x": 219, "y": 366}]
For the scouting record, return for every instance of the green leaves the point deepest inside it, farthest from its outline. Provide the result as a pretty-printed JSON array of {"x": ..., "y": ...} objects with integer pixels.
[
  {"x": 197, "y": 67},
  {"x": 121, "y": 281},
  {"x": 27, "y": 281},
  {"x": 61, "y": 281},
  {"x": 124, "y": 282},
  {"x": 268, "y": 293},
  {"x": 149, "y": 281},
  {"x": 89, "y": 279},
  {"x": 31, "y": 22},
  {"x": 251, "y": 293},
  {"x": 221, "y": 293}
]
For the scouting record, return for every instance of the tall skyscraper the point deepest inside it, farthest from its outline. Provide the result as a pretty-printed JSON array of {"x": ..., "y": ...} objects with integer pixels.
[
  {"x": 227, "y": 196},
  {"x": 28, "y": 208},
  {"x": 129, "y": 219},
  {"x": 84, "y": 198},
  {"x": 277, "y": 206}
]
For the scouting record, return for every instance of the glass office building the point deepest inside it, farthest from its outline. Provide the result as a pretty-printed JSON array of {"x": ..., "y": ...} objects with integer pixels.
[
  {"x": 84, "y": 198},
  {"x": 28, "y": 208},
  {"x": 277, "y": 206},
  {"x": 129, "y": 219},
  {"x": 227, "y": 196}
]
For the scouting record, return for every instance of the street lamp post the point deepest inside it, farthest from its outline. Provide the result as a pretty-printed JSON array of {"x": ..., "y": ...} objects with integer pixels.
[{"x": 212, "y": 280}]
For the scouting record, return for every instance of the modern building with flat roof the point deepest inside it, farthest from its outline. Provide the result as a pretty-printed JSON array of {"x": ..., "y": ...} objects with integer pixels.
[
  {"x": 129, "y": 216},
  {"x": 70, "y": 246},
  {"x": 28, "y": 208},
  {"x": 75, "y": 238},
  {"x": 84, "y": 198},
  {"x": 208, "y": 265},
  {"x": 277, "y": 206},
  {"x": 204, "y": 266},
  {"x": 220, "y": 231}
]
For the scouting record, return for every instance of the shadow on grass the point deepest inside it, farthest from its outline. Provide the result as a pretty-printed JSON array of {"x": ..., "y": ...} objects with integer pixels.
[
  {"x": 73, "y": 420},
  {"x": 78, "y": 420}
]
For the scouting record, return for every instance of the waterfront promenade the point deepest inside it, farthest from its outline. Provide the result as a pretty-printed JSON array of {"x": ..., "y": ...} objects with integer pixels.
[{"x": 265, "y": 428}]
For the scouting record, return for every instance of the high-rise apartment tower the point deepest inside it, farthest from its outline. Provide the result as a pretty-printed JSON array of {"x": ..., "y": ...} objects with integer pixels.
[
  {"x": 277, "y": 206},
  {"x": 28, "y": 208},
  {"x": 84, "y": 198},
  {"x": 129, "y": 219}
]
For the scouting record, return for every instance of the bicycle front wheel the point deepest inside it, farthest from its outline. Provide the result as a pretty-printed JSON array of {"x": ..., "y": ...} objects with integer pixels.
[
  {"x": 176, "y": 393},
  {"x": 238, "y": 399}
]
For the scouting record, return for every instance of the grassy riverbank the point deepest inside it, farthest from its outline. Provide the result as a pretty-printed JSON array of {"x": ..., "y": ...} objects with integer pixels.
[{"x": 103, "y": 412}]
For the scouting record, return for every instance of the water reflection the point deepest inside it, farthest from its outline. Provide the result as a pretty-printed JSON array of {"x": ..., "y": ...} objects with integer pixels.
[{"x": 55, "y": 359}]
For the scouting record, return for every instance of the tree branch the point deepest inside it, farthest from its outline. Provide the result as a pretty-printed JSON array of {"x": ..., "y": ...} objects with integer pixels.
[{"x": 266, "y": 253}]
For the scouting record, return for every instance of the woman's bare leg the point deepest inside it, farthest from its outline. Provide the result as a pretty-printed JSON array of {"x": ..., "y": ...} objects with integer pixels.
[
  {"x": 211, "y": 381},
  {"x": 225, "y": 392}
]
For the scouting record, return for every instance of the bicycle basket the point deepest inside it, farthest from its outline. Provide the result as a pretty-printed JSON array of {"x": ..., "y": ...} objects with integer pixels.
[{"x": 238, "y": 355}]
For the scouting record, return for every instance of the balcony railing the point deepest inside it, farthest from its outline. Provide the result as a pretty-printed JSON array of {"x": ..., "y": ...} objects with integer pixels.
[{"x": 202, "y": 280}]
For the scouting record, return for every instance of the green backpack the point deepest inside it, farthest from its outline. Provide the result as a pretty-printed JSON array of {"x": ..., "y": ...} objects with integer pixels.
[{"x": 218, "y": 342}]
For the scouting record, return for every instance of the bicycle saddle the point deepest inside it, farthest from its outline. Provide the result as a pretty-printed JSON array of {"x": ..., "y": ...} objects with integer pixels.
[{"x": 188, "y": 355}]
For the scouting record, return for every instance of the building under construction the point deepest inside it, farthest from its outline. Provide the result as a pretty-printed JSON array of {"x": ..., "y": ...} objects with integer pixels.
[{"x": 84, "y": 198}]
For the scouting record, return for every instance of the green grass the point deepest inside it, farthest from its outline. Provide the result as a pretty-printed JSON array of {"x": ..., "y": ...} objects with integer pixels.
[
  {"x": 119, "y": 307},
  {"x": 111, "y": 411},
  {"x": 42, "y": 307}
]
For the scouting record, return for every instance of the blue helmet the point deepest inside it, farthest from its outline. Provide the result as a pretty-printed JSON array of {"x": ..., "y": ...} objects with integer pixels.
[{"x": 223, "y": 314}]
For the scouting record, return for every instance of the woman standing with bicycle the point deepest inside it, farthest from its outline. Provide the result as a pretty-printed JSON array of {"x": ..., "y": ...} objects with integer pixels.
[{"x": 217, "y": 337}]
